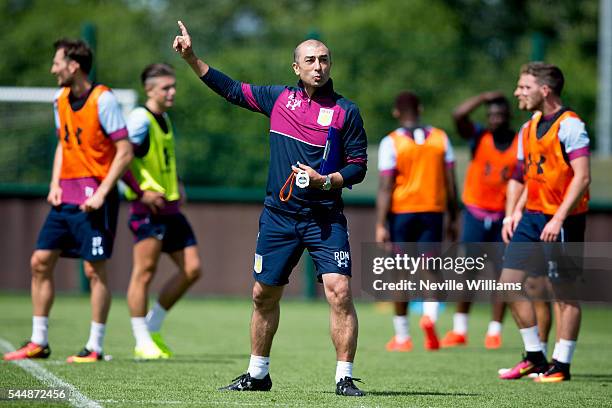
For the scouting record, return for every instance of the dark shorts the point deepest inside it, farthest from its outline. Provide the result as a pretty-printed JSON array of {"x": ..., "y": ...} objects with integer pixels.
[
  {"x": 78, "y": 234},
  {"x": 475, "y": 230},
  {"x": 426, "y": 228},
  {"x": 416, "y": 227},
  {"x": 546, "y": 259},
  {"x": 282, "y": 239},
  {"x": 174, "y": 231}
]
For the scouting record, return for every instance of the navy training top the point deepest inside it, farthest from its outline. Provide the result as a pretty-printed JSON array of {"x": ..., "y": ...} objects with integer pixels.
[{"x": 298, "y": 132}]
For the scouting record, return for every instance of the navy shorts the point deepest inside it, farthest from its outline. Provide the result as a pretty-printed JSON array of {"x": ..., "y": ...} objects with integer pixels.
[
  {"x": 425, "y": 228},
  {"x": 546, "y": 259},
  {"x": 79, "y": 234},
  {"x": 282, "y": 239},
  {"x": 173, "y": 230},
  {"x": 416, "y": 227},
  {"x": 475, "y": 230}
]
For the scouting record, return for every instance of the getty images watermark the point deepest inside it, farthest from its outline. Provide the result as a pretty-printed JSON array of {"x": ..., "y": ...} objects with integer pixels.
[
  {"x": 473, "y": 271},
  {"x": 402, "y": 264}
]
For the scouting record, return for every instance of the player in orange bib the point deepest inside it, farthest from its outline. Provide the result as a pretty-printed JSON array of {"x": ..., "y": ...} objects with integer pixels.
[
  {"x": 554, "y": 146},
  {"x": 92, "y": 153},
  {"x": 416, "y": 188},
  {"x": 493, "y": 161}
]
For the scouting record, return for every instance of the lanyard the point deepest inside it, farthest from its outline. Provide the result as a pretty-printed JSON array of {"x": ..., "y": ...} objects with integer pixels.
[
  {"x": 289, "y": 183},
  {"x": 301, "y": 180}
]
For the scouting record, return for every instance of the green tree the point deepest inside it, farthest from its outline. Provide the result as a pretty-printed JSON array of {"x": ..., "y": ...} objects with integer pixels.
[{"x": 445, "y": 50}]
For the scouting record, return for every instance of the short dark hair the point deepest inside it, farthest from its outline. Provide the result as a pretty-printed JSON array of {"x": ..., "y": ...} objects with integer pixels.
[
  {"x": 407, "y": 102},
  {"x": 156, "y": 70},
  {"x": 546, "y": 74},
  {"x": 499, "y": 101},
  {"x": 76, "y": 50}
]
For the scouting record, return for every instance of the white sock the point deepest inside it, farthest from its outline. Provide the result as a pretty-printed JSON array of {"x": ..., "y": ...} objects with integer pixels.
[
  {"x": 141, "y": 332},
  {"x": 259, "y": 366},
  {"x": 96, "y": 337},
  {"x": 40, "y": 328},
  {"x": 545, "y": 348},
  {"x": 531, "y": 339},
  {"x": 556, "y": 351},
  {"x": 402, "y": 332},
  {"x": 494, "y": 328},
  {"x": 156, "y": 317},
  {"x": 566, "y": 350},
  {"x": 460, "y": 323},
  {"x": 430, "y": 309},
  {"x": 343, "y": 369}
]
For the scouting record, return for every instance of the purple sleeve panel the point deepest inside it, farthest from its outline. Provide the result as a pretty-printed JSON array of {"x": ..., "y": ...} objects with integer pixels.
[
  {"x": 129, "y": 179},
  {"x": 119, "y": 134},
  {"x": 250, "y": 98},
  {"x": 584, "y": 151},
  {"x": 450, "y": 165},
  {"x": 519, "y": 172}
]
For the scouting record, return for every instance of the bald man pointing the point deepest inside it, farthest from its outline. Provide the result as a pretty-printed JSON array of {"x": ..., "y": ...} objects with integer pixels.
[{"x": 317, "y": 147}]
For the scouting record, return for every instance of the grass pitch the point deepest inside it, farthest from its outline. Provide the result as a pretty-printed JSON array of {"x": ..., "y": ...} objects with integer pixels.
[{"x": 210, "y": 340}]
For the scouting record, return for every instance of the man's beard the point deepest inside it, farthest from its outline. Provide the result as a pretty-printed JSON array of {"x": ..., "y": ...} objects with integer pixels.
[{"x": 66, "y": 82}]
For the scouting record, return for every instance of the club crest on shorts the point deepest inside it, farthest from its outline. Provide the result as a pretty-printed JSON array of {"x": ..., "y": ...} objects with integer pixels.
[
  {"x": 258, "y": 265},
  {"x": 325, "y": 116}
]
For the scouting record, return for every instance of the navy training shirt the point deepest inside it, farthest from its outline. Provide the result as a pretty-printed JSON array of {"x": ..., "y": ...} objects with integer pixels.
[{"x": 298, "y": 131}]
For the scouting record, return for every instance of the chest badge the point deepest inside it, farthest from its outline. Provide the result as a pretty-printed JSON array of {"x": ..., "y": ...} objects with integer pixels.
[{"x": 325, "y": 116}]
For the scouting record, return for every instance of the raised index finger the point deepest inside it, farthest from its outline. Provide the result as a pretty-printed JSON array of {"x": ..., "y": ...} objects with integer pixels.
[{"x": 183, "y": 28}]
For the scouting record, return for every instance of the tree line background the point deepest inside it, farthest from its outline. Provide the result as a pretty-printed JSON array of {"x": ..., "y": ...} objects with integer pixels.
[{"x": 444, "y": 50}]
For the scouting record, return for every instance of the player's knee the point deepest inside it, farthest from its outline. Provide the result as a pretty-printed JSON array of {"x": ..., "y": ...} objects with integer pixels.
[
  {"x": 147, "y": 267},
  {"x": 90, "y": 271},
  {"x": 40, "y": 264},
  {"x": 569, "y": 306},
  {"x": 506, "y": 277},
  {"x": 143, "y": 271},
  {"x": 143, "y": 276},
  {"x": 95, "y": 272},
  {"x": 263, "y": 300},
  {"x": 193, "y": 272},
  {"x": 339, "y": 295}
]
